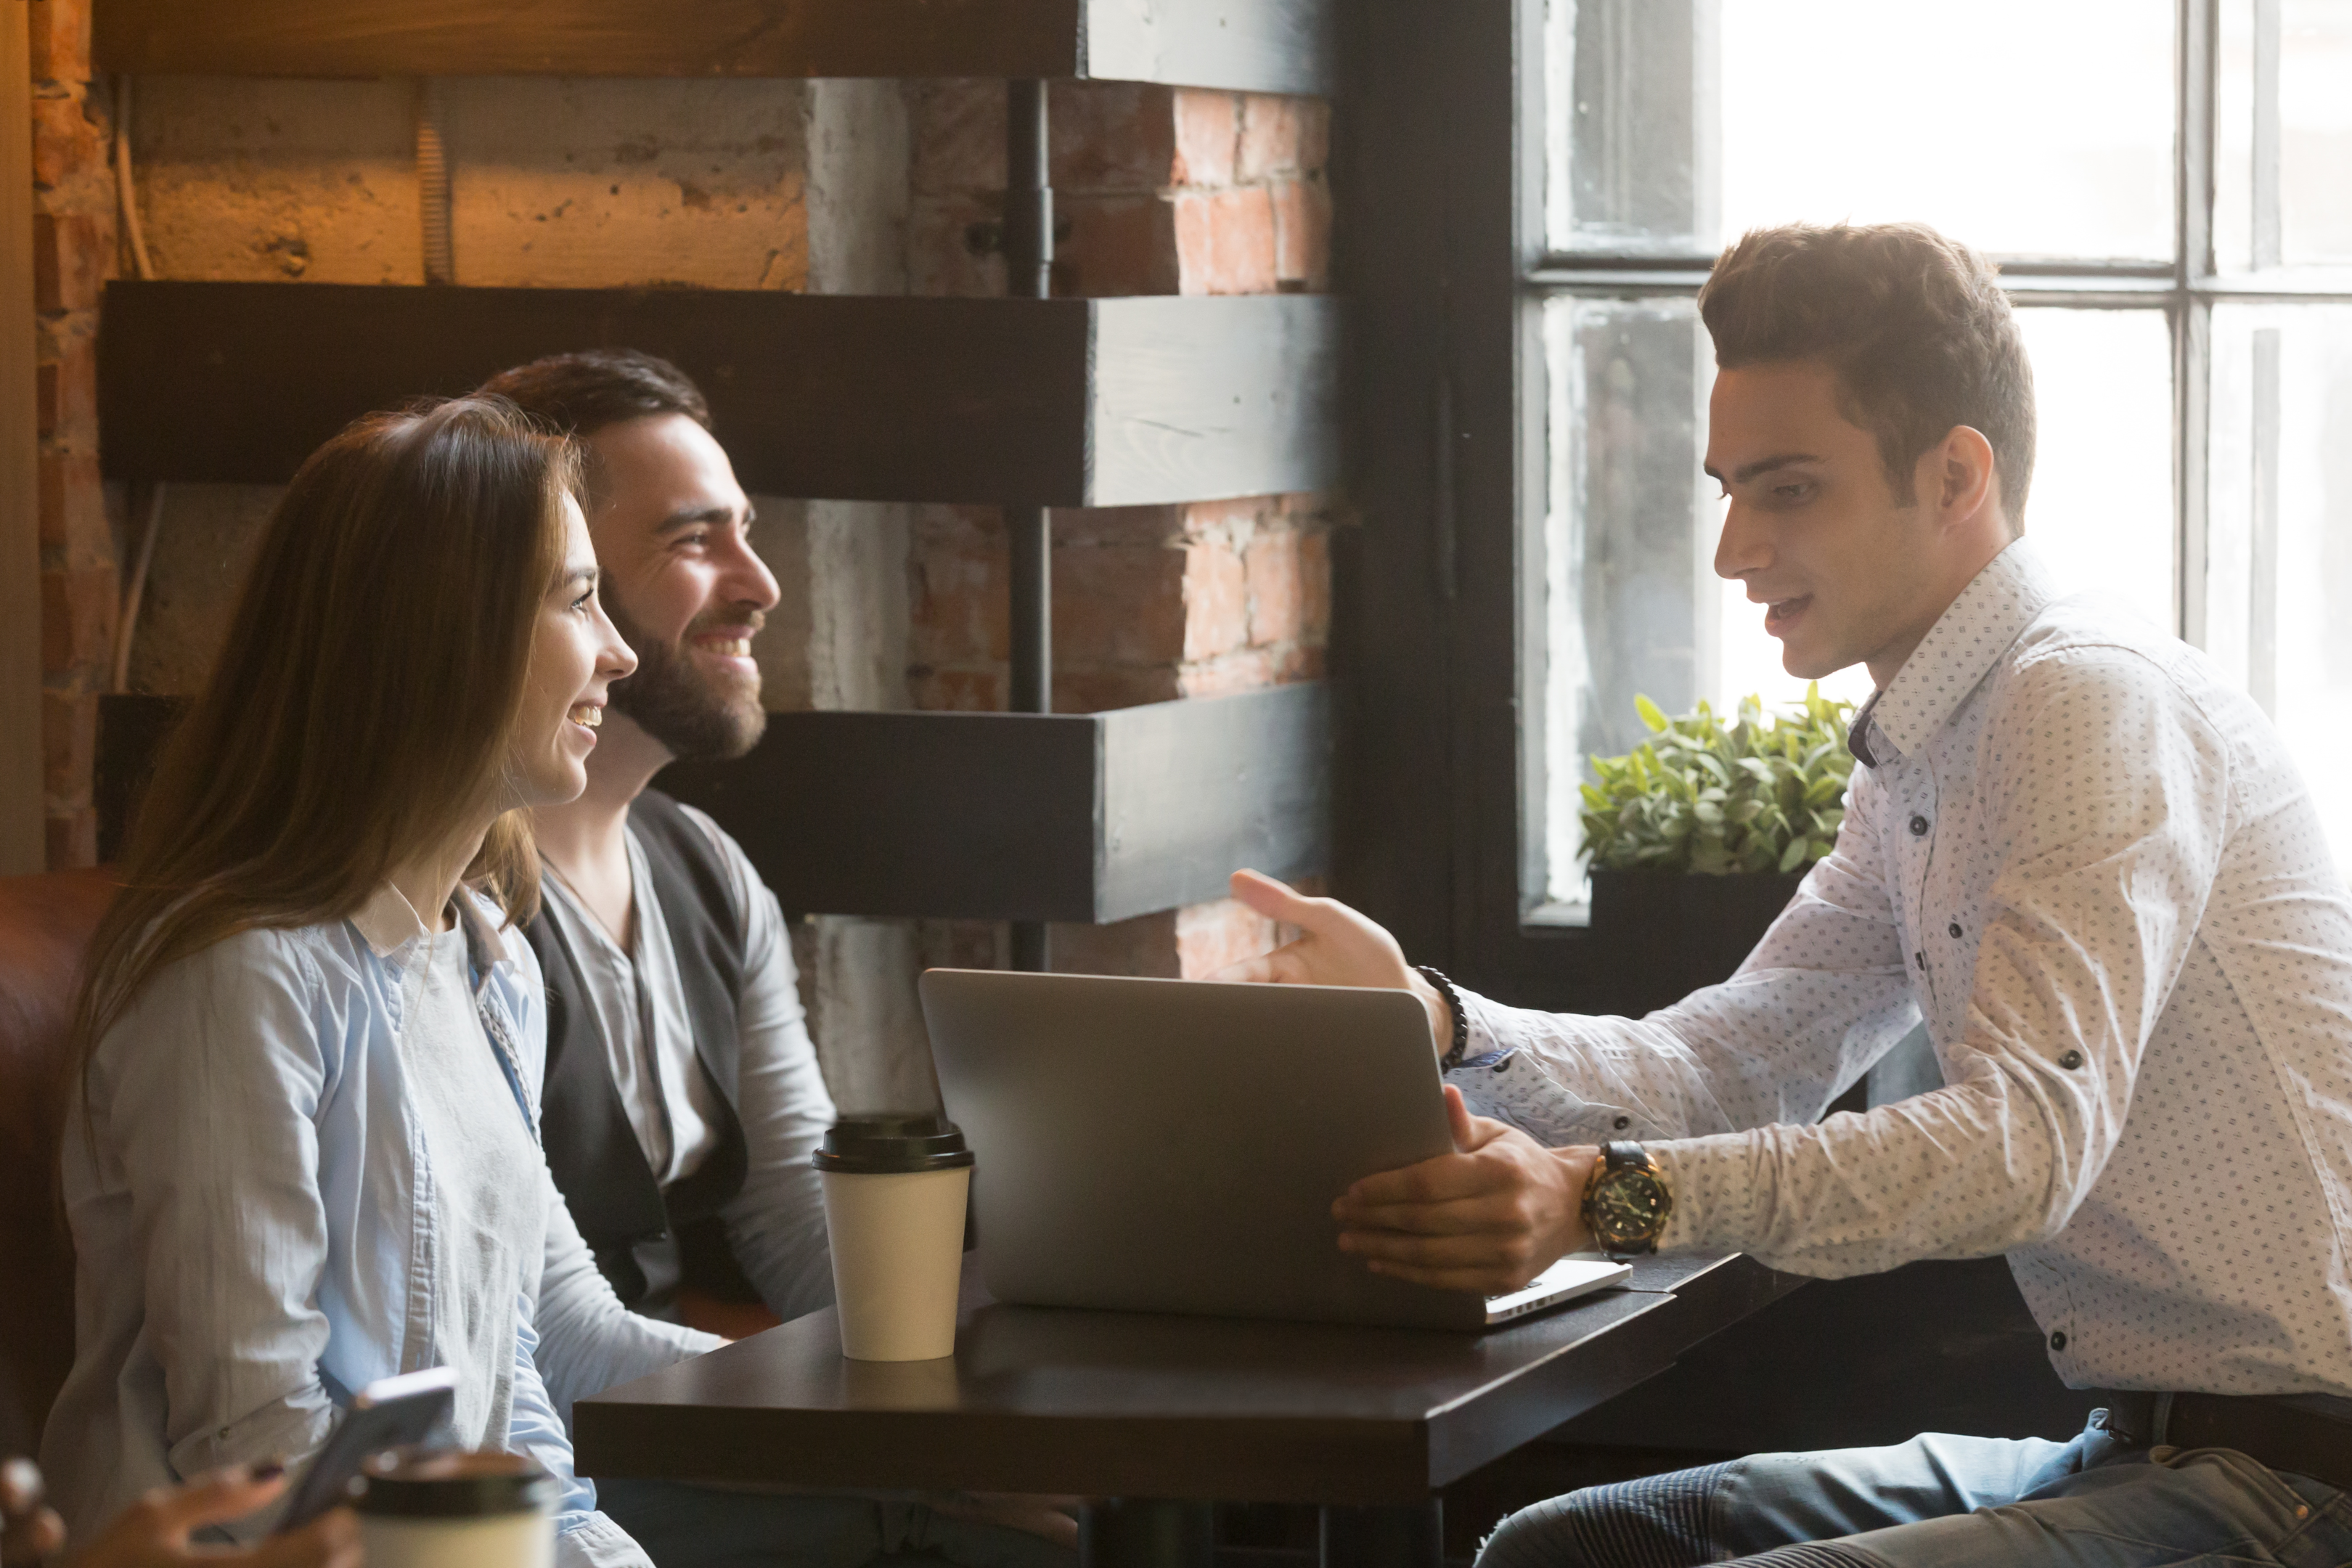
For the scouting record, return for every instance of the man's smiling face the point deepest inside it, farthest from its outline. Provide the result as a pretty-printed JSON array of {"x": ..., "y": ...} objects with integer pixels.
[
  {"x": 1813, "y": 529},
  {"x": 681, "y": 581}
]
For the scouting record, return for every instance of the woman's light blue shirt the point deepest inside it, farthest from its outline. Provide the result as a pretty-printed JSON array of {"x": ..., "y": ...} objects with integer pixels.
[{"x": 252, "y": 1239}]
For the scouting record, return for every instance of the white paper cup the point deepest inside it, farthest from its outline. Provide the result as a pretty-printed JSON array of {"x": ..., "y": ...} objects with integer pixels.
[
  {"x": 895, "y": 1189},
  {"x": 448, "y": 1510}
]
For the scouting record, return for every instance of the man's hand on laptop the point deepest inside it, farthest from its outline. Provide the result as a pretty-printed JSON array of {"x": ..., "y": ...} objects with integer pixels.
[
  {"x": 1336, "y": 946},
  {"x": 1489, "y": 1217}
]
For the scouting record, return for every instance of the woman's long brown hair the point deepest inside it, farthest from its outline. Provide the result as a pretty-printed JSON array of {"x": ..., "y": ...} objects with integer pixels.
[{"x": 364, "y": 702}]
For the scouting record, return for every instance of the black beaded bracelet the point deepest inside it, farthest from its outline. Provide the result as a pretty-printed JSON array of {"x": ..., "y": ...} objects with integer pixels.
[{"x": 1461, "y": 1020}]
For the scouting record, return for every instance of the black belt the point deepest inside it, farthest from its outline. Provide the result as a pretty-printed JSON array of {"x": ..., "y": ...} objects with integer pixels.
[{"x": 2301, "y": 1434}]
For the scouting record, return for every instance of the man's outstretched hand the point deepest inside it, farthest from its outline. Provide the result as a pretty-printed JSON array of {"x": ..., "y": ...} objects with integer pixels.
[
  {"x": 1489, "y": 1217},
  {"x": 1336, "y": 946}
]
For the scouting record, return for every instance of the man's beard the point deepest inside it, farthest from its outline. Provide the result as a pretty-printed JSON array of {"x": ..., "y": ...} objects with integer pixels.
[{"x": 676, "y": 704}]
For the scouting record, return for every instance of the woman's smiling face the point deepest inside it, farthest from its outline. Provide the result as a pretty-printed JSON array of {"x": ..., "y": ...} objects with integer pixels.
[{"x": 575, "y": 656}]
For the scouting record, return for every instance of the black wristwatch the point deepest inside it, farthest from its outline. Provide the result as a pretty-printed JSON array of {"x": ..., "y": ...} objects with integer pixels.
[{"x": 1626, "y": 1202}]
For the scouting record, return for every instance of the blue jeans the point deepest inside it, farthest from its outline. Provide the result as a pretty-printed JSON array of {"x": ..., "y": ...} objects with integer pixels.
[
  {"x": 1945, "y": 1502},
  {"x": 708, "y": 1527}
]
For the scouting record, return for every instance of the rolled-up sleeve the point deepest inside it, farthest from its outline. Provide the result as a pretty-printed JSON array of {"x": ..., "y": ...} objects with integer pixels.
[{"x": 1822, "y": 998}]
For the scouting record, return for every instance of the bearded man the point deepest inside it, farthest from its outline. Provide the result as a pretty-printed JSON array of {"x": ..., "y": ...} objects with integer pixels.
[{"x": 682, "y": 1099}]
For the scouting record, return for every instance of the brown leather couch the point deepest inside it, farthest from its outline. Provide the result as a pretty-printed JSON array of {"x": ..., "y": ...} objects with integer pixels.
[{"x": 45, "y": 923}]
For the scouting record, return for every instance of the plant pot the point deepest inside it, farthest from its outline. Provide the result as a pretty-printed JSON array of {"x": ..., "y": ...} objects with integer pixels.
[{"x": 1668, "y": 934}]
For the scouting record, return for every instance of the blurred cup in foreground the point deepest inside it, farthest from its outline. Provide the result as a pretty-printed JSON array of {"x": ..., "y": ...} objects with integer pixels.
[
  {"x": 444, "y": 1508},
  {"x": 895, "y": 1188}
]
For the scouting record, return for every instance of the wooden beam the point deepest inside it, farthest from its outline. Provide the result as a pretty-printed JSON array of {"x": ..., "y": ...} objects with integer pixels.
[
  {"x": 1074, "y": 818},
  {"x": 23, "y": 813},
  {"x": 1255, "y": 46},
  {"x": 1049, "y": 402},
  {"x": 1083, "y": 817}
]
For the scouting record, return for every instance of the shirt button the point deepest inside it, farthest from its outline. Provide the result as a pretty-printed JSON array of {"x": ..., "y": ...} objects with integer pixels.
[
  {"x": 2070, "y": 1060},
  {"x": 1622, "y": 1122},
  {"x": 2058, "y": 1340},
  {"x": 1918, "y": 827},
  {"x": 1956, "y": 928}
]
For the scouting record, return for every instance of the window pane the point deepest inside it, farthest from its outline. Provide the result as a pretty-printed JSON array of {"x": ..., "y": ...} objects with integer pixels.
[
  {"x": 1632, "y": 605},
  {"x": 2023, "y": 127},
  {"x": 2282, "y": 134},
  {"x": 2280, "y": 547}
]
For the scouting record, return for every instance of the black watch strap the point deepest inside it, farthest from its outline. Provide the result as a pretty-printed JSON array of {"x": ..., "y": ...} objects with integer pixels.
[{"x": 1461, "y": 1041}]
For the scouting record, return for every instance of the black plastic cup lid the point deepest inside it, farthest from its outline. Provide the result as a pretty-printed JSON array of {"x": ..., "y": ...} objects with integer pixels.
[
  {"x": 891, "y": 1145},
  {"x": 420, "y": 1483}
]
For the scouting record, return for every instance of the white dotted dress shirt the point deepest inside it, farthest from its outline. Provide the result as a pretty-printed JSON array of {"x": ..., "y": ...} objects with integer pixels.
[{"x": 2090, "y": 866}]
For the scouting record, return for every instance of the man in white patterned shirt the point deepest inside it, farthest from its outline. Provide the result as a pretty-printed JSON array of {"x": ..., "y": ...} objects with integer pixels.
[{"x": 2086, "y": 861}]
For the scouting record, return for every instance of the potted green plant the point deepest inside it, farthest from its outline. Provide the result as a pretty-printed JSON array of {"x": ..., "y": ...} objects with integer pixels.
[{"x": 1697, "y": 837}]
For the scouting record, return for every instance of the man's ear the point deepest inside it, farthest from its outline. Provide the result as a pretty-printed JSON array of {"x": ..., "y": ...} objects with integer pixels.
[{"x": 1965, "y": 481}]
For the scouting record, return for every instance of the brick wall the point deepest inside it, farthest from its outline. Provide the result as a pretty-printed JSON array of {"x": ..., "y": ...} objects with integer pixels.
[
  {"x": 74, "y": 244},
  {"x": 1156, "y": 191}
]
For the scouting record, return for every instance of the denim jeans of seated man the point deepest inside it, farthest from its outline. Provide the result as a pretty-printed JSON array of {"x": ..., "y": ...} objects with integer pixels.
[
  {"x": 1945, "y": 1502},
  {"x": 708, "y": 1527}
]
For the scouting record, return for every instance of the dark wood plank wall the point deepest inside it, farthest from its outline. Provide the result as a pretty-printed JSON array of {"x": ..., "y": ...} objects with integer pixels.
[
  {"x": 823, "y": 396},
  {"x": 1260, "y": 46},
  {"x": 1193, "y": 790},
  {"x": 1190, "y": 393}
]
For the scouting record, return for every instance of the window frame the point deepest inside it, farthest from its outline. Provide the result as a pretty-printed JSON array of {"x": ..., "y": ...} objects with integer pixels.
[{"x": 1440, "y": 603}]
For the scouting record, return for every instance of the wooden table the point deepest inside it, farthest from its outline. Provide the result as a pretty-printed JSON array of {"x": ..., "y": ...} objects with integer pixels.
[{"x": 1156, "y": 1414}]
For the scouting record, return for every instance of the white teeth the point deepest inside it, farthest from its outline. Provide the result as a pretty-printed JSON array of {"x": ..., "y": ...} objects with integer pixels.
[{"x": 587, "y": 715}]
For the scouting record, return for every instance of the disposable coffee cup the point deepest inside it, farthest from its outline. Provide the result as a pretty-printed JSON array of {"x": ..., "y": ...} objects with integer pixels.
[
  {"x": 895, "y": 1188},
  {"x": 445, "y": 1509}
]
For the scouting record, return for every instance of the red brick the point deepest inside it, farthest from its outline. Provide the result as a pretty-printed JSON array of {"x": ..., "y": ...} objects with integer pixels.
[
  {"x": 1302, "y": 233},
  {"x": 960, "y": 610},
  {"x": 68, "y": 742},
  {"x": 1315, "y": 586},
  {"x": 1216, "y": 600},
  {"x": 955, "y": 243},
  {"x": 1270, "y": 136},
  {"x": 72, "y": 839},
  {"x": 67, "y": 142},
  {"x": 1115, "y": 245},
  {"x": 1276, "y": 597},
  {"x": 66, "y": 397},
  {"x": 1111, "y": 136},
  {"x": 1225, "y": 242},
  {"x": 60, "y": 38},
  {"x": 1119, "y": 605},
  {"x": 1143, "y": 946},
  {"x": 77, "y": 610},
  {"x": 73, "y": 509},
  {"x": 1099, "y": 690},
  {"x": 1208, "y": 137},
  {"x": 957, "y": 690},
  {"x": 955, "y": 136},
  {"x": 70, "y": 256}
]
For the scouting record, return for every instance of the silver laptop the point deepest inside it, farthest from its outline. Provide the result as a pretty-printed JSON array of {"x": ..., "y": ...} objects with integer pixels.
[{"x": 1175, "y": 1146}]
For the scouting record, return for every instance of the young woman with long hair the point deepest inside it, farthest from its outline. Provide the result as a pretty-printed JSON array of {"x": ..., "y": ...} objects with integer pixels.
[{"x": 303, "y": 1153}]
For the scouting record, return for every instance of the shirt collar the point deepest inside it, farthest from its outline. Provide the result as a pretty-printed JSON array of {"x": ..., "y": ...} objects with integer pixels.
[
  {"x": 388, "y": 924},
  {"x": 1991, "y": 613}
]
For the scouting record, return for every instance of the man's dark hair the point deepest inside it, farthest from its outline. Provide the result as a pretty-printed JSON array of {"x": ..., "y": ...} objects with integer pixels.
[
  {"x": 580, "y": 394},
  {"x": 1913, "y": 325}
]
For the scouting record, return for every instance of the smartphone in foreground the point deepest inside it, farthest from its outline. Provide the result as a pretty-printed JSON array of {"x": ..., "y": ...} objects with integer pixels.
[{"x": 386, "y": 1414}]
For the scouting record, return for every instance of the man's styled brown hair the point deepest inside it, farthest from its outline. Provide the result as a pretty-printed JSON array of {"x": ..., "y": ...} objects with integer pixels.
[
  {"x": 582, "y": 393},
  {"x": 1913, "y": 325}
]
